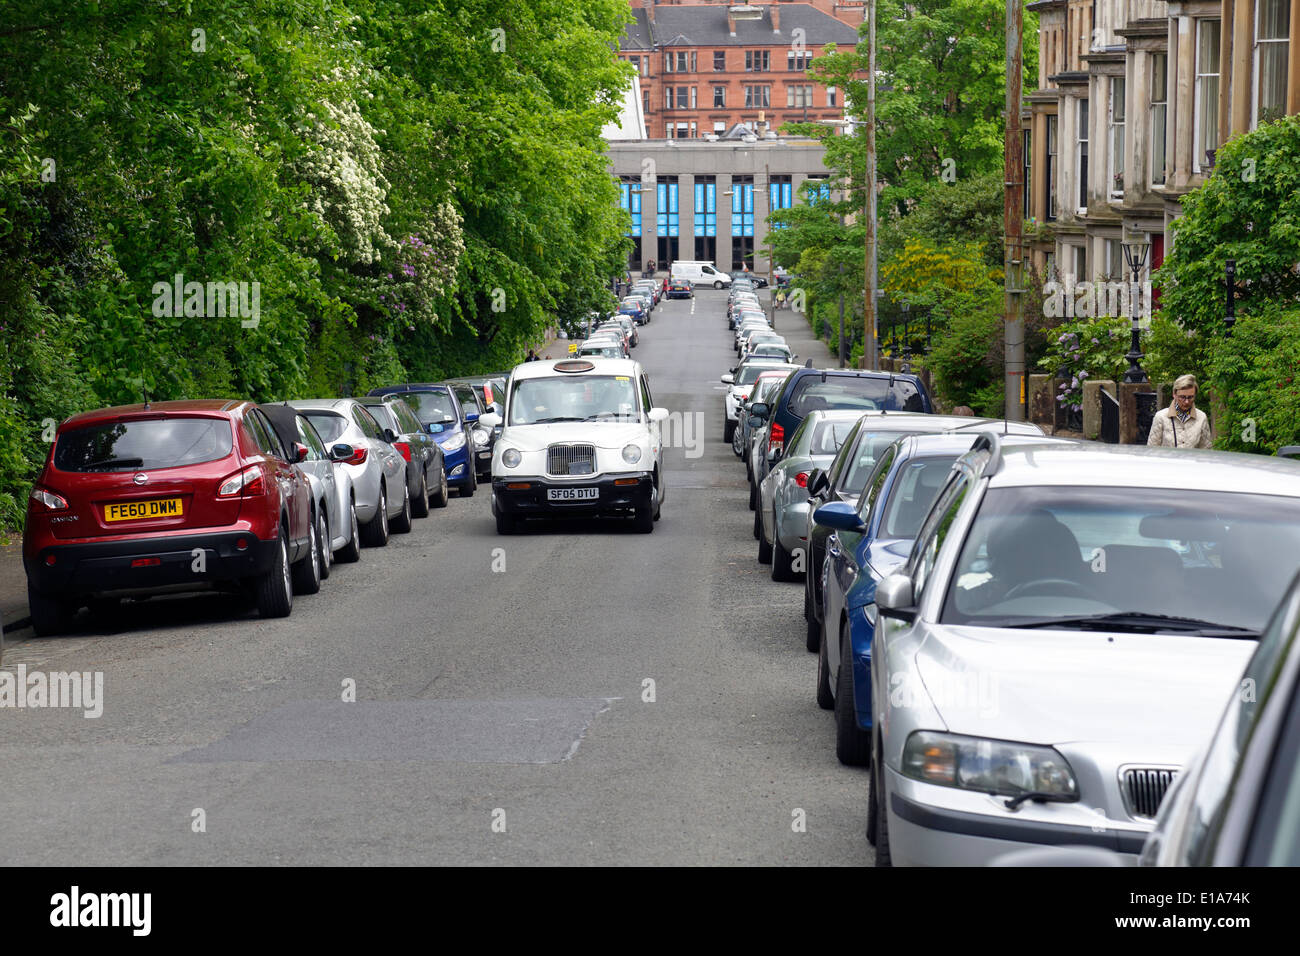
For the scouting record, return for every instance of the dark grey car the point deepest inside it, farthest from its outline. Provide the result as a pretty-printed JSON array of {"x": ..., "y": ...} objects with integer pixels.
[{"x": 426, "y": 479}]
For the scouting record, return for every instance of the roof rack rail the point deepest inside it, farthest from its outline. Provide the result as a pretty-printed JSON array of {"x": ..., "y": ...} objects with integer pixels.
[{"x": 991, "y": 442}]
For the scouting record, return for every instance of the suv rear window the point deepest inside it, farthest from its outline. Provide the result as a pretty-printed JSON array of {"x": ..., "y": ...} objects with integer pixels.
[
  {"x": 143, "y": 444},
  {"x": 810, "y": 393}
]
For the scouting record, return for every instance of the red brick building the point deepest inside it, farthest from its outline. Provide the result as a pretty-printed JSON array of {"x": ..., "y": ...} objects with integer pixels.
[{"x": 705, "y": 67}]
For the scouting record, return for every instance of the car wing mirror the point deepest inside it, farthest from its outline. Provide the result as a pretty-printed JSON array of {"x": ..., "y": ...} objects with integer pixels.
[
  {"x": 895, "y": 597},
  {"x": 299, "y": 452},
  {"x": 341, "y": 452}
]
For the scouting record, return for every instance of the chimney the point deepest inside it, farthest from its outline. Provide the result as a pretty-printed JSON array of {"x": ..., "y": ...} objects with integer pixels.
[
  {"x": 731, "y": 22},
  {"x": 650, "y": 11},
  {"x": 775, "y": 12}
]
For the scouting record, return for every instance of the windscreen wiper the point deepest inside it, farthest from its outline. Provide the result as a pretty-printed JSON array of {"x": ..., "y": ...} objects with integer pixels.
[
  {"x": 119, "y": 462},
  {"x": 1136, "y": 621},
  {"x": 550, "y": 421}
]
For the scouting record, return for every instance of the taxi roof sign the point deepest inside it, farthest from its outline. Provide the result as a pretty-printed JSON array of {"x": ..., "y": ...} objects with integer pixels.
[{"x": 574, "y": 365}]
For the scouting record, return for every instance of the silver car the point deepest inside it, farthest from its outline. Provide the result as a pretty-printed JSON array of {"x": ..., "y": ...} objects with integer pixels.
[
  {"x": 1061, "y": 640},
  {"x": 335, "y": 508},
  {"x": 783, "y": 493},
  {"x": 377, "y": 469}
]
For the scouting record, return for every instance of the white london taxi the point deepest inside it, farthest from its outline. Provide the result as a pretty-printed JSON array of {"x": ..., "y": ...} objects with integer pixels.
[{"x": 581, "y": 437}]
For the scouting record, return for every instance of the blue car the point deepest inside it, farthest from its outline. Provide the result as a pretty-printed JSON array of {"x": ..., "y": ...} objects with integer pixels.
[
  {"x": 443, "y": 416},
  {"x": 868, "y": 541}
]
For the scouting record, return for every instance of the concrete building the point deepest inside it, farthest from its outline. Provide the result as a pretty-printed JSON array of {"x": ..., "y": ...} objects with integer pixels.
[
  {"x": 1134, "y": 97},
  {"x": 706, "y": 67},
  {"x": 701, "y": 199}
]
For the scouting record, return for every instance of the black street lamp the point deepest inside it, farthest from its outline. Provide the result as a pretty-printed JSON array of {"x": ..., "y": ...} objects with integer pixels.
[{"x": 1136, "y": 246}]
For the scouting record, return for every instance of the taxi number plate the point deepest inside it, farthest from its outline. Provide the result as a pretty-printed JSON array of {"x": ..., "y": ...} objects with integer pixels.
[
  {"x": 135, "y": 510},
  {"x": 573, "y": 494}
]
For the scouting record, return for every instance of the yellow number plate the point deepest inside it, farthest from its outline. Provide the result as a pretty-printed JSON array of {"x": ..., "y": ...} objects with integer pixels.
[{"x": 135, "y": 510}]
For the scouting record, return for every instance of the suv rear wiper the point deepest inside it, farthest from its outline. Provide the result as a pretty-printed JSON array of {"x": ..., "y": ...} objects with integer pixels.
[
  {"x": 119, "y": 462},
  {"x": 1137, "y": 621}
]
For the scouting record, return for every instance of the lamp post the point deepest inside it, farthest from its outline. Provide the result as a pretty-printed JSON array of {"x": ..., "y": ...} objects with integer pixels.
[{"x": 1135, "y": 246}]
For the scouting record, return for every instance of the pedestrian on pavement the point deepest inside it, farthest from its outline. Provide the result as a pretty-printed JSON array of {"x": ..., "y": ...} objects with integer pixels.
[
  {"x": 1182, "y": 424},
  {"x": 532, "y": 356}
]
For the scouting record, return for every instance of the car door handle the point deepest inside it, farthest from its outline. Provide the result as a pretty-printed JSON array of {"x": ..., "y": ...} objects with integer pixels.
[{"x": 833, "y": 546}]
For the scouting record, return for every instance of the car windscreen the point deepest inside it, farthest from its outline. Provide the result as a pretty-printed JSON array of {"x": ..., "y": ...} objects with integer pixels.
[
  {"x": 328, "y": 425},
  {"x": 915, "y": 487},
  {"x": 824, "y": 438},
  {"x": 871, "y": 445},
  {"x": 748, "y": 373},
  {"x": 573, "y": 398},
  {"x": 1061, "y": 552},
  {"x": 385, "y": 418},
  {"x": 851, "y": 391},
  {"x": 432, "y": 406},
  {"x": 143, "y": 444}
]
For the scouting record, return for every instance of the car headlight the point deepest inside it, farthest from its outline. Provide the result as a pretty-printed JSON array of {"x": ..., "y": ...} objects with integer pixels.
[
  {"x": 989, "y": 766},
  {"x": 481, "y": 437},
  {"x": 631, "y": 454},
  {"x": 511, "y": 458},
  {"x": 455, "y": 443}
]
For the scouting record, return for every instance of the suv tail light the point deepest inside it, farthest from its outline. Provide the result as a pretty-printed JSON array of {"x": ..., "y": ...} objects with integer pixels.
[
  {"x": 246, "y": 484},
  {"x": 404, "y": 448},
  {"x": 776, "y": 437},
  {"x": 48, "y": 499}
]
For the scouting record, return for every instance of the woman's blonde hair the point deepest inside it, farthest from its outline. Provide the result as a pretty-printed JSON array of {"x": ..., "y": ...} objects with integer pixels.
[{"x": 1186, "y": 381}]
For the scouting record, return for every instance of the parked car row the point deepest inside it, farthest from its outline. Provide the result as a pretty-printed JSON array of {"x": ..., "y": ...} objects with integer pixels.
[
  {"x": 1026, "y": 641},
  {"x": 262, "y": 500}
]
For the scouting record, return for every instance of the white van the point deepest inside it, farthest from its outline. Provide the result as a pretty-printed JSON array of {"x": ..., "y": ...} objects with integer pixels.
[{"x": 700, "y": 273}]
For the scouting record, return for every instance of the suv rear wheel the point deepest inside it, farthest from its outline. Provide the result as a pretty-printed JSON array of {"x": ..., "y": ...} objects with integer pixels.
[
  {"x": 50, "y": 616},
  {"x": 273, "y": 589}
]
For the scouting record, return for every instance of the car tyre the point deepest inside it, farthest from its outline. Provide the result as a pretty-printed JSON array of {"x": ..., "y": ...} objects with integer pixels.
[
  {"x": 825, "y": 699},
  {"x": 273, "y": 588},
  {"x": 717, "y": 285},
  {"x": 443, "y": 496},
  {"x": 764, "y": 546},
  {"x": 471, "y": 483},
  {"x": 729, "y": 431},
  {"x": 306, "y": 573},
  {"x": 375, "y": 533},
  {"x": 852, "y": 743},
  {"x": 813, "y": 639},
  {"x": 326, "y": 552},
  {"x": 50, "y": 616},
  {"x": 644, "y": 521},
  {"x": 753, "y": 496},
  {"x": 782, "y": 560},
  {"x": 507, "y": 524},
  {"x": 877, "y": 801},
  {"x": 420, "y": 503},
  {"x": 402, "y": 523},
  {"x": 350, "y": 553}
]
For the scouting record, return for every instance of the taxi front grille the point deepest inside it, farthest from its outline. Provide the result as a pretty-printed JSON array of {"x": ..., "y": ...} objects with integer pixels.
[
  {"x": 571, "y": 459},
  {"x": 1145, "y": 787}
]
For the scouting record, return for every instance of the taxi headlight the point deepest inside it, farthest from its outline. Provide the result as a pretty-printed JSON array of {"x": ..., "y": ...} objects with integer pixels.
[
  {"x": 511, "y": 458},
  {"x": 631, "y": 454}
]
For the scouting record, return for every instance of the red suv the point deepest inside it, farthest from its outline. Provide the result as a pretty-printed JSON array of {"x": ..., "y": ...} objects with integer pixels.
[{"x": 173, "y": 496}]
